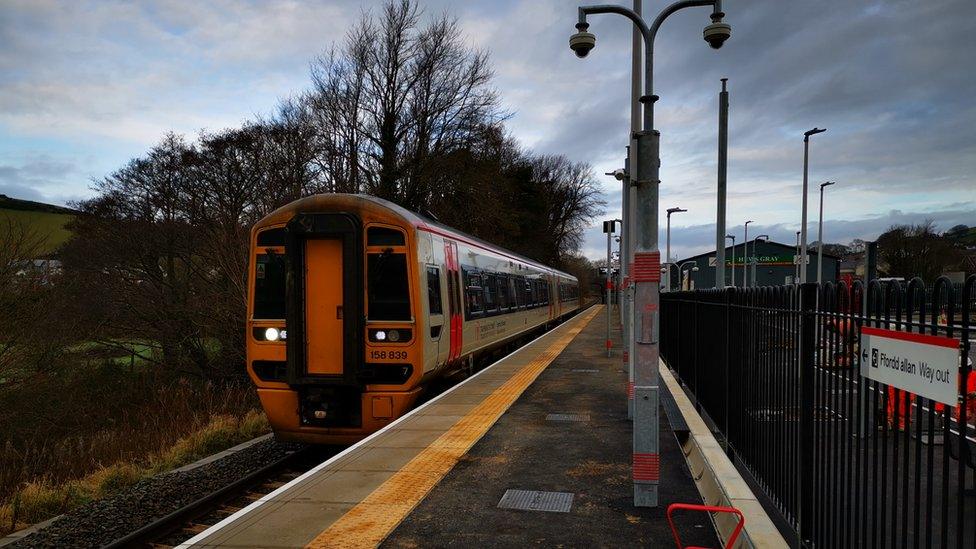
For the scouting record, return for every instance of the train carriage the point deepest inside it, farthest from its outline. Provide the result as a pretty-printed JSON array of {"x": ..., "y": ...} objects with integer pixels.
[{"x": 355, "y": 305}]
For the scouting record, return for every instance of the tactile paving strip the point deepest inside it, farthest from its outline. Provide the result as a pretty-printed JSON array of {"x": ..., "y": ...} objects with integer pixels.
[
  {"x": 371, "y": 520},
  {"x": 534, "y": 500}
]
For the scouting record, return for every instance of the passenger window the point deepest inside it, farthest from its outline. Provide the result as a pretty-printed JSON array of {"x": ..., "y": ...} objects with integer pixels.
[
  {"x": 503, "y": 299},
  {"x": 473, "y": 293},
  {"x": 434, "y": 290},
  {"x": 490, "y": 292}
]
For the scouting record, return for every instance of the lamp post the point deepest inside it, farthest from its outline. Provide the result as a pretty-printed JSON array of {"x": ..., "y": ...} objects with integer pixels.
[
  {"x": 609, "y": 227},
  {"x": 755, "y": 262},
  {"x": 745, "y": 256},
  {"x": 803, "y": 221},
  {"x": 682, "y": 268},
  {"x": 667, "y": 253},
  {"x": 646, "y": 271},
  {"x": 733, "y": 260},
  {"x": 820, "y": 233}
]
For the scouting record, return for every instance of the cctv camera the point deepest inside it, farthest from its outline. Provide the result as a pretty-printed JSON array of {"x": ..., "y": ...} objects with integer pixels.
[
  {"x": 619, "y": 174},
  {"x": 717, "y": 33},
  {"x": 582, "y": 42}
]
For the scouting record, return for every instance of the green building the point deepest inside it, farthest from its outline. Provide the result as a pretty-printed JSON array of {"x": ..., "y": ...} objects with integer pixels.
[{"x": 770, "y": 264}]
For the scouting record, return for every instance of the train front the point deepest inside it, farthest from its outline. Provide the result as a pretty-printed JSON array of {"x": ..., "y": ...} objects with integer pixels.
[{"x": 331, "y": 329}]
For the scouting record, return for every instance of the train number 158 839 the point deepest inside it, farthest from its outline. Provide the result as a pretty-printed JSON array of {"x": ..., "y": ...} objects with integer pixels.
[{"x": 387, "y": 355}]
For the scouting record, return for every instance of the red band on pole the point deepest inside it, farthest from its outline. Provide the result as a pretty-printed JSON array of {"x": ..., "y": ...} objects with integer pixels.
[
  {"x": 626, "y": 356},
  {"x": 609, "y": 344},
  {"x": 647, "y": 267},
  {"x": 647, "y": 467},
  {"x": 609, "y": 285},
  {"x": 630, "y": 390}
]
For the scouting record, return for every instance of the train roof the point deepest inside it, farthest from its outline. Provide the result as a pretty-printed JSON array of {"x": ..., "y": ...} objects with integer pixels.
[{"x": 417, "y": 220}]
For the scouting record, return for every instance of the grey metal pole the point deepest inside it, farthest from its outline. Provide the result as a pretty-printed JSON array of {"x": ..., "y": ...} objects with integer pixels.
[
  {"x": 723, "y": 156},
  {"x": 608, "y": 226},
  {"x": 646, "y": 270},
  {"x": 797, "y": 260},
  {"x": 732, "y": 268},
  {"x": 636, "y": 64},
  {"x": 803, "y": 216},
  {"x": 820, "y": 234},
  {"x": 745, "y": 256}
]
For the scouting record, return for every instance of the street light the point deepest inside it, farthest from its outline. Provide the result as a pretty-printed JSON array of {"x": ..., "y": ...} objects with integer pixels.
[
  {"x": 755, "y": 262},
  {"x": 820, "y": 233},
  {"x": 682, "y": 268},
  {"x": 647, "y": 257},
  {"x": 733, "y": 260},
  {"x": 803, "y": 226},
  {"x": 745, "y": 256},
  {"x": 667, "y": 253}
]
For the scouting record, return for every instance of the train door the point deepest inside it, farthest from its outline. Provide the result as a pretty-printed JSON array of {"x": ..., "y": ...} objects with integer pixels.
[
  {"x": 324, "y": 292},
  {"x": 435, "y": 316},
  {"x": 454, "y": 303},
  {"x": 323, "y": 306}
]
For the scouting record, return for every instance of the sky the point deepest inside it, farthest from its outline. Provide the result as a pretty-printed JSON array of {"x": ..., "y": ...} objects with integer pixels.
[{"x": 87, "y": 85}]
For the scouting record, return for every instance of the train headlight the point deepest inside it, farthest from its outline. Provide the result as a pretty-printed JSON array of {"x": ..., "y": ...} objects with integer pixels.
[
  {"x": 390, "y": 335},
  {"x": 272, "y": 334}
]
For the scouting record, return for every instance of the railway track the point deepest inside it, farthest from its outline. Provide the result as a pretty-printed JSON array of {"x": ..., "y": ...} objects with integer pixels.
[{"x": 189, "y": 520}]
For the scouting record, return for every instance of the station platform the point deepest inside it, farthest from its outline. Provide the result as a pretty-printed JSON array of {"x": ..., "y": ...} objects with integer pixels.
[{"x": 534, "y": 449}]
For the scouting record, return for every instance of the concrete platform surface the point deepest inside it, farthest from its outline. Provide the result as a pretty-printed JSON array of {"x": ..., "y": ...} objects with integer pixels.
[
  {"x": 550, "y": 418},
  {"x": 568, "y": 433}
]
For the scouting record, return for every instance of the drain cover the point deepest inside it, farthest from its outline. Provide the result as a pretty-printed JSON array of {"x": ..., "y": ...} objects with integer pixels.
[
  {"x": 534, "y": 500},
  {"x": 585, "y": 371},
  {"x": 568, "y": 417}
]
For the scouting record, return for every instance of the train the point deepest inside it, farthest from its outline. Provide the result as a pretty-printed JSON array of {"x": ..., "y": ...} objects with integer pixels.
[{"x": 356, "y": 306}]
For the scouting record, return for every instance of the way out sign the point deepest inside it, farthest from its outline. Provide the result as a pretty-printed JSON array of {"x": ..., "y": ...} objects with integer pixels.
[{"x": 926, "y": 365}]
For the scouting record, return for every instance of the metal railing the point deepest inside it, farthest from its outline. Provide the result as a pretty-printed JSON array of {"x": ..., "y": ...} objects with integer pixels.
[{"x": 847, "y": 461}]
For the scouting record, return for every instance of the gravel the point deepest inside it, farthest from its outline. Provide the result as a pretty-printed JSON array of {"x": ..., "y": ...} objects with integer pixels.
[{"x": 101, "y": 522}]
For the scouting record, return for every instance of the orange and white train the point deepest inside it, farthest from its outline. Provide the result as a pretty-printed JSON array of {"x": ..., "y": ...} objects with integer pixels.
[{"x": 355, "y": 305}]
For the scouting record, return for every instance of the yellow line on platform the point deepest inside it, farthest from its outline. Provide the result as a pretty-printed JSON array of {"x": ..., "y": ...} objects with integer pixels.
[{"x": 371, "y": 520}]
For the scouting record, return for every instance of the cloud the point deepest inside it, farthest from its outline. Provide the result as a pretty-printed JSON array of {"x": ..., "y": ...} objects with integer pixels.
[{"x": 90, "y": 84}]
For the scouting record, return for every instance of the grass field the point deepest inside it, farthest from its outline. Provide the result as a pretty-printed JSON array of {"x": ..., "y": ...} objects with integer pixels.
[{"x": 49, "y": 225}]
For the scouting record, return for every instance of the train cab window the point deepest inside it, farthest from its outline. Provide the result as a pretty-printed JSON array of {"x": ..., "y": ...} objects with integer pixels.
[
  {"x": 388, "y": 295},
  {"x": 382, "y": 236},
  {"x": 272, "y": 237},
  {"x": 269, "y": 286},
  {"x": 434, "y": 291}
]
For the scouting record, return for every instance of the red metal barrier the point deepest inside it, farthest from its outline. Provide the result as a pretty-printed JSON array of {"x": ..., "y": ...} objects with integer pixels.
[{"x": 709, "y": 509}]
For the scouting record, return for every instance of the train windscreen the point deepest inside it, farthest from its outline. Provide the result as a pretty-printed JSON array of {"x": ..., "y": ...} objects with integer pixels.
[
  {"x": 387, "y": 287},
  {"x": 269, "y": 286}
]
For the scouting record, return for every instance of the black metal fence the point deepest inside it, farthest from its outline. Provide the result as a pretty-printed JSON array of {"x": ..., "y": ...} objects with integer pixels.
[{"x": 847, "y": 461}]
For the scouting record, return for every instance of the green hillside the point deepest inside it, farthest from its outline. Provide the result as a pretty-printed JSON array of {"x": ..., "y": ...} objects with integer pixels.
[{"x": 47, "y": 220}]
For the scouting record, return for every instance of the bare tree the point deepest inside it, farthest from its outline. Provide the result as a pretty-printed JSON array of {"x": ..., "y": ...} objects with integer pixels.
[{"x": 396, "y": 98}]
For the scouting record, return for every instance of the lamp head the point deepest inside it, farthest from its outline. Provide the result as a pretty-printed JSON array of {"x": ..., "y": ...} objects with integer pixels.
[
  {"x": 694, "y": 269},
  {"x": 676, "y": 210},
  {"x": 827, "y": 184},
  {"x": 814, "y": 131},
  {"x": 582, "y": 42}
]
